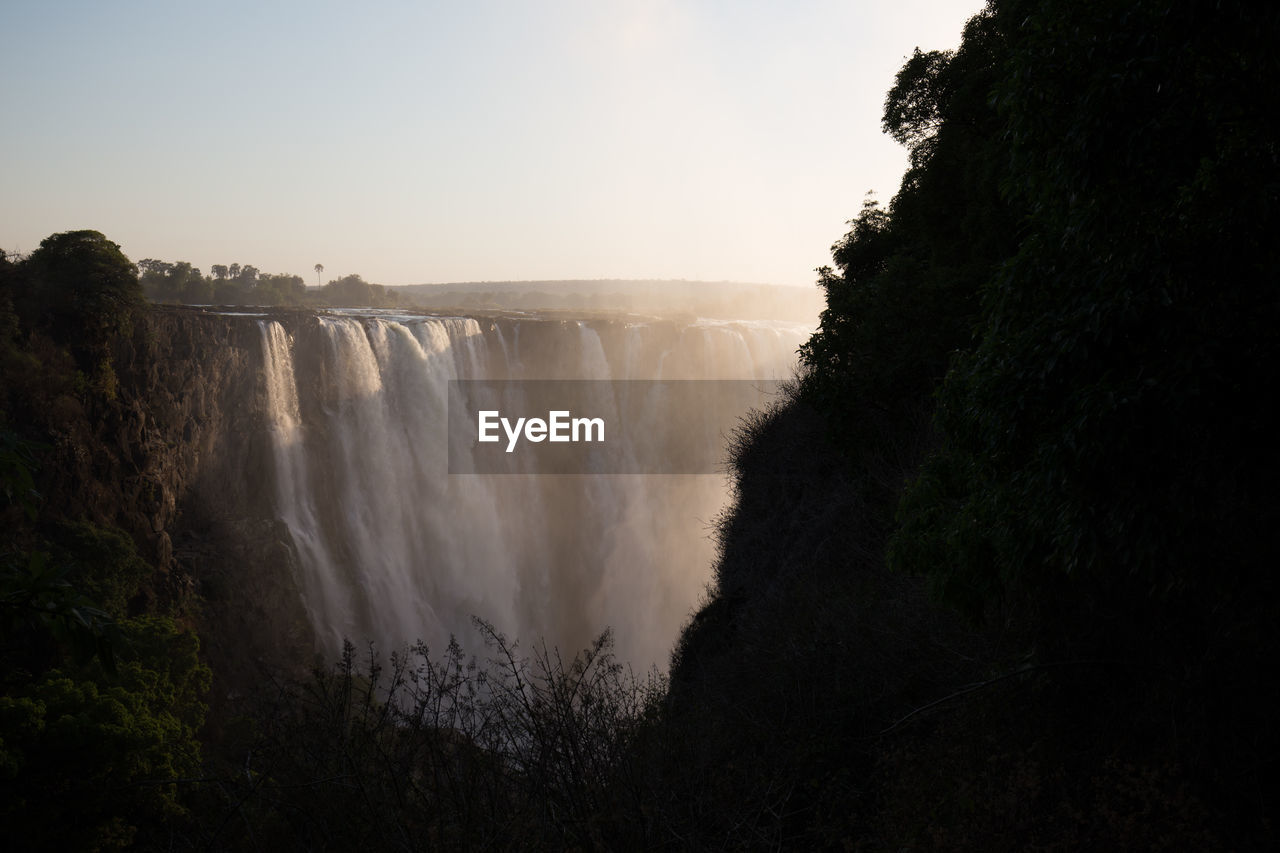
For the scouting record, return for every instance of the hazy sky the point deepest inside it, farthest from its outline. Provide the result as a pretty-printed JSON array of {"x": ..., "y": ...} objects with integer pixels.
[{"x": 462, "y": 141}]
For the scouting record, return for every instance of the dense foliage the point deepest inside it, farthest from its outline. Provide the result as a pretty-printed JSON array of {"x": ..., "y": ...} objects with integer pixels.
[
  {"x": 82, "y": 291},
  {"x": 1081, "y": 333},
  {"x": 1104, "y": 437},
  {"x": 904, "y": 295},
  {"x": 101, "y": 703},
  {"x": 81, "y": 286},
  {"x": 1081, "y": 246},
  {"x": 102, "y": 689}
]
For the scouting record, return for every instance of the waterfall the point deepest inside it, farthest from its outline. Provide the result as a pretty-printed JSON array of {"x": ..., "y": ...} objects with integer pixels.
[
  {"x": 392, "y": 548},
  {"x": 325, "y": 600}
]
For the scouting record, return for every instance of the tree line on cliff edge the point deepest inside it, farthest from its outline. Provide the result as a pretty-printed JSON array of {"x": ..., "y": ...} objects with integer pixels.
[{"x": 237, "y": 284}]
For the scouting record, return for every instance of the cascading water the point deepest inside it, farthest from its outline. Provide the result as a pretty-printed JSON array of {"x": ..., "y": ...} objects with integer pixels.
[{"x": 392, "y": 548}]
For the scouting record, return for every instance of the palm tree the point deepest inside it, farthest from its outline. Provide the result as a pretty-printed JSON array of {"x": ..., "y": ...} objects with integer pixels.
[{"x": 319, "y": 269}]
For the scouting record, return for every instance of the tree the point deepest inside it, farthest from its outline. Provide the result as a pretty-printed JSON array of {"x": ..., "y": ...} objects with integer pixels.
[
  {"x": 280, "y": 289},
  {"x": 319, "y": 269},
  {"x": 352, "y": 290},
  {"x": 84, "y": 289},
  {"x": 9, "y": 323},
  {"x": 915, "y": 105},
  {"x": 150, "y": 266},
  {"x": 905, "y": 291},
  {"x": 90, "y": 759},
  {"x": 1103, "y": 443}
]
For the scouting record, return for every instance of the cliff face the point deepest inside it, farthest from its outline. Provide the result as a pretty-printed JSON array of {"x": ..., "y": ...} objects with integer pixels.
[
  {"x": 182, "y": 464},
  {"x": 255, "y": 506},
  {"x": 187, "y": 420},
  {"x": 280, "y": 471}
]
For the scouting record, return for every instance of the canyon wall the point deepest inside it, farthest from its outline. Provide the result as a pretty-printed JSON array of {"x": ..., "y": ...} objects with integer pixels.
[{"x": 291, "y": 468}]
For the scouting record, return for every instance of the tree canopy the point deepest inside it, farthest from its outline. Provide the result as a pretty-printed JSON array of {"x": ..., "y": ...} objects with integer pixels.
[
  {"x": 1082, "y": 248},
  {"x": 82, "y": 286}
]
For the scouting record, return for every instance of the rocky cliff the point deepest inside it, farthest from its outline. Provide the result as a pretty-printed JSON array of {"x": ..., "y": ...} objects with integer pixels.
[
  {"x": 180, "y": 461},
  {"x": 183, "y": 460}
]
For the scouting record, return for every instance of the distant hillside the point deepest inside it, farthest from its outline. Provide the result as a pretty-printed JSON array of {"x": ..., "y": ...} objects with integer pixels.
[{"x": 723, "y": 299}]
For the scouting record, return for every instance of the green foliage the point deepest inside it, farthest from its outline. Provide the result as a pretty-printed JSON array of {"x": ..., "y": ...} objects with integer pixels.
[
  {"x": 43, "y": 598},
  {"x": 1081, "y": 241},
  {"x": 9, "y": 321},
  {"x": 83, "y": 288},
  {"x": 87, "y": 758},
  {"x": 1104, "y": 439},
  {"x": 1075, "y": 289},
  {"x": 245, "y": 285},
  {"x": 354, "y": 291},
  {"x": 37, "y": 597},
  {"x": 17, "y": 466},
  {"x": 99, "y": 713},
  {"x": 904, "y": 296},
  {"x": 281, "y": 289},
  {"x": 109, "y": 569}
]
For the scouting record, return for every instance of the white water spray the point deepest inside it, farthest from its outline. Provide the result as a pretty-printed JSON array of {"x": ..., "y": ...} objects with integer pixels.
[{"x": 394, "y": 549}]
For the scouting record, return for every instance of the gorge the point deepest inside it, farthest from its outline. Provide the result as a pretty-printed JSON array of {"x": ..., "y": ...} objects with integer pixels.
[
  {"x": 996, "y": 573},
  {"x": 339, "y": 454}
]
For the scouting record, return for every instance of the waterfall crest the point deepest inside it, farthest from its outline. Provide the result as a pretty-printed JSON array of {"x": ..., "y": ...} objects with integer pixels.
[{"x": 393, "y": 549}]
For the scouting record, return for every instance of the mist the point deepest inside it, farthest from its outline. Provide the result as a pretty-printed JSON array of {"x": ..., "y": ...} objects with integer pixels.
[
  {"x": 667, "y": 298},
  {"x": 391, "y": 548}
]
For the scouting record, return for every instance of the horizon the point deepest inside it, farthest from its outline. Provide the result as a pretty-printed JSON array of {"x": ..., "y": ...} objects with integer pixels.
[{"x": 419, "y": 145}]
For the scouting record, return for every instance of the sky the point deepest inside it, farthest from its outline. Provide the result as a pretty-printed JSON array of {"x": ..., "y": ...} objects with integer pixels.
[{"x": 484, "y": 140}]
